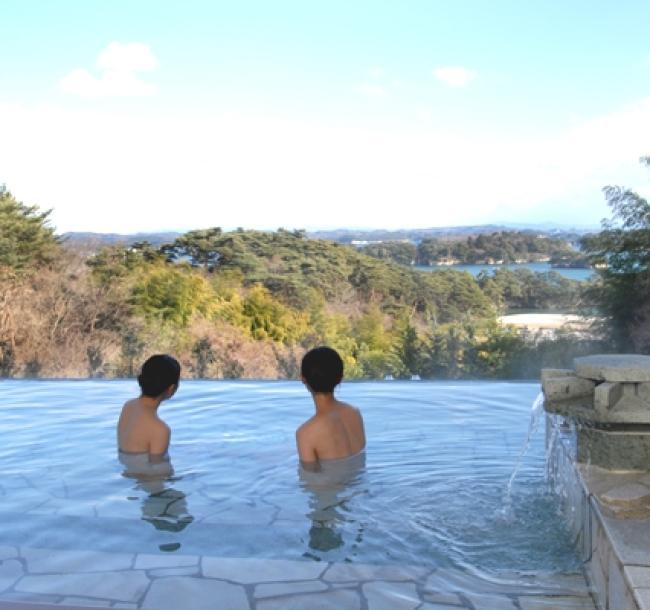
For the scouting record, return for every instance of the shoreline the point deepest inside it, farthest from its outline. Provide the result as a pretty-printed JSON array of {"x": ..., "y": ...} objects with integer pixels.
[{"x": 546, "y": 321}]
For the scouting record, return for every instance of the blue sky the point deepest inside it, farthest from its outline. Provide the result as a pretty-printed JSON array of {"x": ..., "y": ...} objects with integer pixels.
[{"x": 135, "y": 116}]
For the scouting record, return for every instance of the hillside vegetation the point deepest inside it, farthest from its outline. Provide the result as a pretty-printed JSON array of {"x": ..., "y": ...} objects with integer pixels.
[
  {"x": 249, "y": 303},
  {"x": 497, "y": 247}
]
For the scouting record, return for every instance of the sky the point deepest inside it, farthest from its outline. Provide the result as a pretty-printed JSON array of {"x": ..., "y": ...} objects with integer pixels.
[{"x": 129, "y": 116}]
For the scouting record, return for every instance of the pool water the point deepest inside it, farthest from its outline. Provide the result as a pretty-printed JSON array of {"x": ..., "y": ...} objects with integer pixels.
[{"x": 432, "y": 491}]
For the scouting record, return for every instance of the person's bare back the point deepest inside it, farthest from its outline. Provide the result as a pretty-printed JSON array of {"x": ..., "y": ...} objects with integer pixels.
[
  {"x": 336, "y": 431},
  {"x": 142, "y": 437},
  {"x": 140, "y": 430}
]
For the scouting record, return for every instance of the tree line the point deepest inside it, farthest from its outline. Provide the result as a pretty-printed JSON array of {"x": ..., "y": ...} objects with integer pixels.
[
  {"x": 500, "y": 246},
  {"x": 249, "y": 303}
]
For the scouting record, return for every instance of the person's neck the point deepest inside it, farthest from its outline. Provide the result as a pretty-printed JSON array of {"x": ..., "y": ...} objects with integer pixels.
[
  {"x": 323, "y": 401},
  {"x": 150, "y": 403}
]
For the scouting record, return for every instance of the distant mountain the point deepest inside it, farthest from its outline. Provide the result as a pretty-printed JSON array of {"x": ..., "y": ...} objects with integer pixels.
[
  {"x": 96, "y": 240},
  {"x": 417, "y": 235},
  {"x": 346, "y": 236},
  {"x": 554, "y": 227}
]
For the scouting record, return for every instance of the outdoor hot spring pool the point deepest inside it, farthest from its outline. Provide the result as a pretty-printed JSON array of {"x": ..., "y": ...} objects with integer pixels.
[{"x": 432, "y": 493}]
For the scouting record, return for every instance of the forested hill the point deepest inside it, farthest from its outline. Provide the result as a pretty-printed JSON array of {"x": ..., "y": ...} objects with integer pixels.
[
  {"x": 297, "y": 270},
  {"x": 248, "y": 304},
  {"x": 485, "y": 248}
]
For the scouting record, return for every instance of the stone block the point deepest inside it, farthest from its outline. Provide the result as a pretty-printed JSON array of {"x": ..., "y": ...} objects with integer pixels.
[
  {"x": 85, "y": 602},
  {"x": 118, "y": 586},
  {"x": 8, "y": 552},
  {"x": 606, "y": 395},
  {"x": 492, "y": 602},
  {"x": 338, "y": 599},
  {"x": 288, "y": 588},
  {"x": 630, "y": 540},
  {"x": 614, "y": 450},
  {"x": 450, "y": 599},
  {"x": 551, "y": 373},
  {"x": 556, "y": 603},
  {"x": 631, "y": 368},
  {"x": 10, "y": 571},
  {"x": 347, "y": 572},
  {"x": 12, "y": 599},
  {"x": 567, "y": 388},
  {"x": 626, "y": 496},
  {"x": 552, "y": 583},
  {"x": 642, "y": 597},
  {"x": 382, "y": 595},
  {"x": 643, "y": 392},
  {"x": 148, "y": 562},
  {"x": 598, "y": 567},
  {"x": 165, "y": 572},
  {"x": 51, "y": 561},
  {"x": 618, "y": 595},
  {"x": 202, "y": 593},
  {"x": 251, "y": 571},
  {"x": 638, "y": 576},
  {"x": 450, "y": 580}
]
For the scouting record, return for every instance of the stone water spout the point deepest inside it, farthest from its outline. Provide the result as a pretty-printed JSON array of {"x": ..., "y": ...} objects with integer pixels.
[{"x": 609, "y": 395}]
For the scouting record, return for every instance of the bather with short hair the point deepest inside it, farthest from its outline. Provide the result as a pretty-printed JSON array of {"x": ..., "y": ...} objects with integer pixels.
[
  {"x": 142, "y": 437},
  {"x": 335, "y": 434}
]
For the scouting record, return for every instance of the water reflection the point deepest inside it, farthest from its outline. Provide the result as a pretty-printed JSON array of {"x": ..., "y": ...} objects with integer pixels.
[
  {"x": 162, "y": 505},
  {"x": 330, "y": 490}
]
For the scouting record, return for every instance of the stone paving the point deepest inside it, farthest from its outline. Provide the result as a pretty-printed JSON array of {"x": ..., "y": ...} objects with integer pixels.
[{"x": 191, "y": 582}]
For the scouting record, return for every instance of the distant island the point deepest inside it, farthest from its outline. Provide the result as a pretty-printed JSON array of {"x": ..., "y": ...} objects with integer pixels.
[
  {"x": 497, "y": 248},
  {"x": 349, "y": 236},
  {"x": 468, "y": 245}
]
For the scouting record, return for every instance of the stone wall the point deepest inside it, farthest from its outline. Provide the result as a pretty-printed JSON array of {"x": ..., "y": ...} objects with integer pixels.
[{"x": 615, "y": 550}]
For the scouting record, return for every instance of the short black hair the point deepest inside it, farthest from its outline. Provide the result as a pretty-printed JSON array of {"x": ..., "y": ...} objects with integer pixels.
[
  {"x": 322, "y": 369},
  {"x": 158, "y": 373}
]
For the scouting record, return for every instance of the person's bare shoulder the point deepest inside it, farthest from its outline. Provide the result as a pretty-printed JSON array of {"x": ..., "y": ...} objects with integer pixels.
[
  {"x": 307, "y": 429},
  {"x": 354, "y": 419},
  {"x": 125, "y": 412},
  {"x": 349, "y": 408},
  {"x": 306, "y": 436},
  {"x": 160, "y": 437}
]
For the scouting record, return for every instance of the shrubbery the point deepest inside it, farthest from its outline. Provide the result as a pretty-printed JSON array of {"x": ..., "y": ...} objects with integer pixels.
[{"x": 248, "y": 303}]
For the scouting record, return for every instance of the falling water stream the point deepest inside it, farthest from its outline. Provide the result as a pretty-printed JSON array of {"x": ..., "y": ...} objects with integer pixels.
[{"x": 535, "y": 417}]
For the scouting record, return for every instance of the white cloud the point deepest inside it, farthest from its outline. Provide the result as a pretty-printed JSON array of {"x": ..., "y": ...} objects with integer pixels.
[
  {"x": 372, "y": 86},
  {"x": 424, "y": 115},
  {"x": 109, "y": 171},
  {"x": 129, "y": 57},
  {"x": 454, "y": 76},
  {"x": 372, "y": 90},
  {"x": 119, "y": 65}
]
